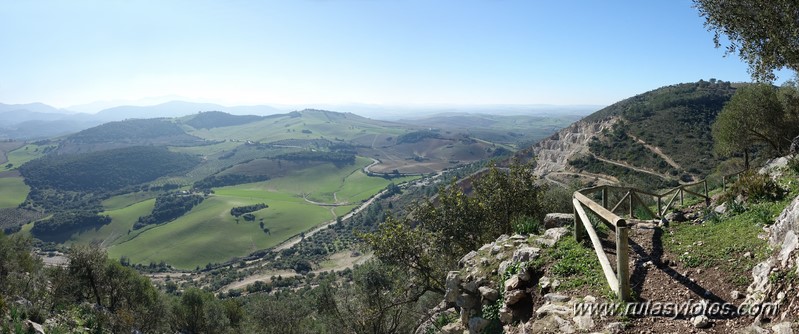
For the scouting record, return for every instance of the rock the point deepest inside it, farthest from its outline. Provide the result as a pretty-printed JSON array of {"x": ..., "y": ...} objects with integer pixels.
[
  {"x": 782, "y": 328},
  {"x": 452, "y": 286},
  {"x": 34, "y": 327},
  {"x": 505, "y": 315},
  {"x": 477, "y": 324},
  {"x": 589, "y": 299},
  {"x": 676, "y": 216},
  {"x": 558, "y": 220},
  {"x": 512, "y": 283},
  {"x": 556, "y": 233},
  {"x": 735, "y": 294},
  {"x": 524, "y": 275},
  {"x": 556, "y": 309},
  {"x": 466, "y": 301},
  {"x": 583, "y": 322},
  {"x": 495, "y": 249},
  {"x": 748, "y": 255},
  {"x": 513, "y": 297},
  {"x": 453, "y": 328},
  {"x": 794, "y": 149},
  {"x": 615, "y": 327},
  {"x": 556, "y": 297},
  {"x": 700, "y": 321},
  {"x": 754, "y": 329},
  {"x": 503, "y": 267},
  {"x": 545, "y": 242},
  {"x": 546, "y": 283},
  {"x": 473, "y": 285},
  {"x": 721, "y": 209},
  {"x": 518, "y": 237},
  {"x": 526, "y": 253},
  {"x": 467, "y": 258},
  {"x": 488, "y": 294},
  {"x": 789, "y": 244}
]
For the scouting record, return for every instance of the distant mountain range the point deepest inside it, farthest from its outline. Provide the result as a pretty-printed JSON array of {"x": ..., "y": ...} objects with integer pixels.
[{"x": 37, "y": 120}]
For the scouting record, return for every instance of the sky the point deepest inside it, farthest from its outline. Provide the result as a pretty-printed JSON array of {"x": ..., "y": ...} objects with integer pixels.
[{"x": 384, "y": 52}]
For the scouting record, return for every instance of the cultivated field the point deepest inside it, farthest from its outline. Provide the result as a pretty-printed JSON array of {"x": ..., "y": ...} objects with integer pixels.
[{"x": 209, "y": 234}]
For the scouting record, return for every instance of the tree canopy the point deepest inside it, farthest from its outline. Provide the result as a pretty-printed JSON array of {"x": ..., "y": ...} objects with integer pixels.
[
  {"x": 765, "y": 34},
  {"x": 754, "y": 116}
]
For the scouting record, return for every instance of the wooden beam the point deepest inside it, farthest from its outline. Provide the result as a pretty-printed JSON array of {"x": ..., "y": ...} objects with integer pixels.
[
  {"x": 644, "y": 205},
  {"x": 620, "y": 202},
  {"x": 610, "y": 275},
  {"x": 603, "y": 213},
  {"x": 622, "y": 264}
]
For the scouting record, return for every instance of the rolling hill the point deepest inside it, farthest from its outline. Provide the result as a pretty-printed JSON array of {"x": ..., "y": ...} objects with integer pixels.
[
  {"x": 655, "y": 139},
  {"x": 309, "y": 167}
]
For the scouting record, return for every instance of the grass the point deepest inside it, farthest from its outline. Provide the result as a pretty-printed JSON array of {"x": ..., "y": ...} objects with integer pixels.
[
  {"x": 122, "y": 220},
  {"x": 721, "y": 238},
  {"x": 122, "y": 201},
  {"x": 24, "y": 154},
  {"x": 209, "y": 234},
  {"x": 574, "y": 265},
  {"x": 13, "y": 191}
]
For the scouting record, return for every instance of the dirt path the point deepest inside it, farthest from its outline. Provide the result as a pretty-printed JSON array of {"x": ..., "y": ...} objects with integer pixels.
[
  {"x": 638, "y": 169},
  {"x": 657, "y": 151}
]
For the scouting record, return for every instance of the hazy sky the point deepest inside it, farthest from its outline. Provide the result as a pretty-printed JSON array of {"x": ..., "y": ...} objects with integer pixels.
[{"x": 353, "y": 51}]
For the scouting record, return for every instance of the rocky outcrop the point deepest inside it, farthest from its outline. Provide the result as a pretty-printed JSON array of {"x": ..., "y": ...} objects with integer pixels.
[
  {"x": 500, "y": 276},
  {"x": 795, "y": 146},
  {"x": 772, "y": 281},
  {"x": 553, "y": 154}
]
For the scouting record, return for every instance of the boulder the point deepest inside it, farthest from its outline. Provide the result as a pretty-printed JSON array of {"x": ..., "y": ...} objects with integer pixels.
[
  {"x": 556, "y": 233},
  {"x": 558, "y": 220},
  {"x": 513, "y": 297},
  {"x": 466, "y": 301},
  {"x": 477, "y": 325},
  {"x": 488, "y": 294},
  {"x": 512, "y": 283},
  {"x": 525, "y": 253},
  {"x": 452, "y": 286},
  {"x": 453, "y": 328},
  {"x": 676, "y": 216}
]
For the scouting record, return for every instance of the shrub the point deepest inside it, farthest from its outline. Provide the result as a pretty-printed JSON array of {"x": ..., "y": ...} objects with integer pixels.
[
  {"x": 755, "y": 187},
  {"x": 526, "y": 225}
]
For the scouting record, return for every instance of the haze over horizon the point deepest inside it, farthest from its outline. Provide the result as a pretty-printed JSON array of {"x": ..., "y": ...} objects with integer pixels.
[{"x": 311, "y": 53}]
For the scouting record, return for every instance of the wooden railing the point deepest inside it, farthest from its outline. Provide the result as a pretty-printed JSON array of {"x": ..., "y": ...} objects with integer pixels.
[{"x": 619, "y": 280}]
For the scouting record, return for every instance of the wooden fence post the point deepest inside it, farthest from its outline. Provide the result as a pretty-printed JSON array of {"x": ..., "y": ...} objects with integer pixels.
[
  {"x": 622, "y": 262},
  {"x": 660, "y": 210},
  {"x": 631, "y": 202},
  {"x": 605, "y": 198},
  {"x": 682, "y": 203},
  {"x": 578, "y": 226}
]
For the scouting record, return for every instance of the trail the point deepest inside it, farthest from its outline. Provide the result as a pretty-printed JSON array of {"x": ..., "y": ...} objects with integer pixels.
[
  {"x": 657, "y": 151},
  {"x": 628, "y": 166}
]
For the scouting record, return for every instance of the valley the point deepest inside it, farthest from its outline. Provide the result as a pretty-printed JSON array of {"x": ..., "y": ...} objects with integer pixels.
[{"x": 310, "y": 168}]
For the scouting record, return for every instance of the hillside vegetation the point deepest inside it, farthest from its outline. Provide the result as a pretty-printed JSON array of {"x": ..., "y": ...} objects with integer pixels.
[{"x": 676, "y": 119}]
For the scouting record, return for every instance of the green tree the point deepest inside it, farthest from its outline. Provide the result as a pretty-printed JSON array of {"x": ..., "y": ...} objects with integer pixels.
[
  {"x": 763, "y": 33},
  {"x": 753, "y": 116}
]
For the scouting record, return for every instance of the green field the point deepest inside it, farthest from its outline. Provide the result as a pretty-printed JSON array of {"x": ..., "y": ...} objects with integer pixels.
[
  {"x": 320, "y": 124},
  {"x": 209, "y": 234},
  {"x": 122, "y": 220},
  {"x": 24, "y": 154},
  {"x": 13, "y": 191}
]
